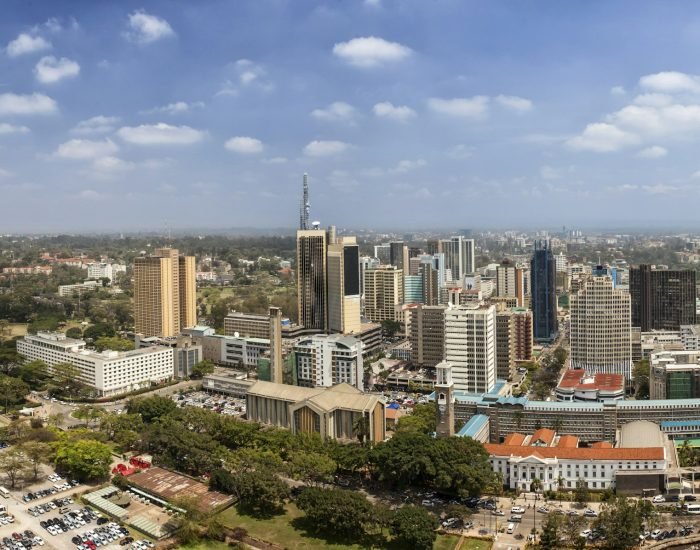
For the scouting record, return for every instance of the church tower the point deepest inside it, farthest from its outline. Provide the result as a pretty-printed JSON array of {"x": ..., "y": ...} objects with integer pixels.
[{"x": 444, "y": 396}]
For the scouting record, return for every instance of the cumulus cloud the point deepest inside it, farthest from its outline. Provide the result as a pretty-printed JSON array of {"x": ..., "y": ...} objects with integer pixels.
[
  {"x": 338, "y": 111},
  {"x": 28, "y": 104},
  {"x": 247, "y": 74},
  {"x": 461, "y": 107},
  {"x": 145, "y": 28},
  {"x": 401, "y": 113},
  {"x": 160, "y": 134},
  {"x": 370, "y": 51},
  {"x": 111, "y": 164},
  {"x": 176, "y": 108},
  {"x": 653, "y": 152},
  {"x": 6, "y": 129},
  {"x": 325, "y": 148},
  {"x": 26, "y": 43},
  {"x": 84, "y": 149},
  {"x": 99, "y": 124},
  {"x": 514, "y": 103},
  {"x": 244, "y": 145},
  {"x": 50, "y": 69},
  {"x": 602, "y": 138},
  {"x": 670, "y": 82}
]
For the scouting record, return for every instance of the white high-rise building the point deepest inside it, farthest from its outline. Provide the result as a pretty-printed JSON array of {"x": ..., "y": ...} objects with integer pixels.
[
  {"x": 601, "y": 328},
  {"x": 327, "y": 360},
  {"x": 561, "y": 262},
  {"x": 470, "y": 346},
  {"x": 459, "y": 256}
]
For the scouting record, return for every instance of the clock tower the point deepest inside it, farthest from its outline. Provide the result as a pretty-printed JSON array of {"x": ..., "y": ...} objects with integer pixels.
[{"x": 445, "y": 399}]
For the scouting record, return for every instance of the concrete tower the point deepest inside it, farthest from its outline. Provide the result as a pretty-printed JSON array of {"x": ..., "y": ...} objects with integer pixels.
[{"x": 444, "y": 391}]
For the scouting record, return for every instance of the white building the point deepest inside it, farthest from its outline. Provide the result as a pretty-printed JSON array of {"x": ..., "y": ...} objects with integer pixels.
[
  {"x": 601, "y": 328},
  {"x": 99, "y": 270},
  {"x": 470, "y": 345},
  {"x": 459, "y": 256},
  {"x": 327, "y": 360},
  {"x": 78, "y": 288},
  {"x": 690, "y": 337},
  {"x": 110, "y": 372},
  {"x": 561, "y": 262}
]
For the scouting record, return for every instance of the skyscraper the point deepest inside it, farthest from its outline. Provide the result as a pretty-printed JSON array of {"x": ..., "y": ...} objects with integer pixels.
[
  {"x": 510, "y": 281},
  {"x": 312, "y": 286},
  {"x": 601, "y": 335},
  {"x": 344, "y": 285},
  {"x": 470, "y": 345},
  {"x": 164, "y": 293},
  {"x": 430, "y": 284},
  {"x": 427, "y": 334},
  {"x": 383, "y": 292},
  {"x": 544, "y": 299},
  {"x": 398, "y": 255},
  {"x": 662, "y": 299},
  {"x": 459, "y": 256}
]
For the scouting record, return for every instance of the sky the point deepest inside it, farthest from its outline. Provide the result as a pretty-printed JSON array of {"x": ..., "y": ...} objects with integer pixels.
[{"x": 407, "y": 114}]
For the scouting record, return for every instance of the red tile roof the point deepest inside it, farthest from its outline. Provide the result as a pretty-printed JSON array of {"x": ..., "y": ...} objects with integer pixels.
[
  {"x": 601, "y": 445},
  {"x": 578, "y": 453},
  {"x": 573, "y": 379},
  {"x": 545, "y": 435},
  {"x": 514, "y": 439},
  {"x": 567, "y": 441}
]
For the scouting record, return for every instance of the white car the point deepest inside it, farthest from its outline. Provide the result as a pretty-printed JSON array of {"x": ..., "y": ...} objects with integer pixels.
[
  {"x": 517, "y": 510},
  {"x": 658, "y": 499},
  {"x": 655, "y": 534}
]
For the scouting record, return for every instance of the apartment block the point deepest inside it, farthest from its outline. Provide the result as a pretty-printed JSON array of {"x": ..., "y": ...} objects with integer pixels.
[
  {"x": 427, "y": 334},
  {"x": 383, "y": 292}
]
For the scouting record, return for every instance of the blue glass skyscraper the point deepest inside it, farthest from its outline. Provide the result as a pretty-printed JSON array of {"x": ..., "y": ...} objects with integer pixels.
[{"x": 544, "y": 298}]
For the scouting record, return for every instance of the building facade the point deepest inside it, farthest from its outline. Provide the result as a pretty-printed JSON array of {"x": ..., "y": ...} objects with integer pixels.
[
  {"x": 601, "y": 337},
  {"x": 312, "y": 286},
  {"x": 674, "y": 375},
  {"x": 383, "y": 292},
  {"x": 459, "y": 256},
  {"x": 427, "y": 334},
  {"x": 165, "y": 292},
  {"x": 470, "y": 346},
  {"x": 325, "y": 360},
  {"x": 505, "y": 345},
  {"x": 344, "y": 295},
  {"x": 544, "y": 298},
  {"x": 662, "y": 299}
]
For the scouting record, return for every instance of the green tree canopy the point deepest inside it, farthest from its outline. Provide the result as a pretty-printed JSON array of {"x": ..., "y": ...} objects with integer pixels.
[
  {"x": 201, "y": 369},
  {"x": 84, "y": 459},
  {"x": 151, "y": 408},
  {"x": 344, "y": 513},
  {"x": 113, "y": 343},
  {"x": 414, "y": 527}
]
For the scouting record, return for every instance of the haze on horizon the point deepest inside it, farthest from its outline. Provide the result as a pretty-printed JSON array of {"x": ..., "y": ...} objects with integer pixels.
[{"x": 143, "y": 115}]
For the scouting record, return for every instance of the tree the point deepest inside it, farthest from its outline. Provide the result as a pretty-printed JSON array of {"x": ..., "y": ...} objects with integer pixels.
[
  {"x": 65, "y": 381},
  {"x": 151, "y": 408},
  {"x": 344, "y": 513},
  {"x": 84, "y": 459},
  {"x": 640, "y": 378},
  {"x": 360, "y": 427},
  {"x": 37, "y": 453},
  {"x": 422, "y": 419},
  {"x": 113, "y": 343},
  {"x": 261, "y": 492},
  {"x": 551, "y": 527},
  {"x": 98, "y": 330},
  {"x": 75, "y": 333},
  {"x": 13, "y": 463},
  {"x": 201, "y": 369},
  {"x": 581, "y": 494},
  {"x": 621, "y": 520},
  {"x": 414, "y": 527},
  {"x": 390, "y": 327},
  {"x": 88, "y": 413},
  {"x": 311, "y": 467},
  {"x": 12, "y": 390},
  {"x": 571, "y": 529}
]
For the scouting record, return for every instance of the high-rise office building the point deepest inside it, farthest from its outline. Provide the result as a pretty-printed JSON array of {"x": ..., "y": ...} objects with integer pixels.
[
  {"x": 470, "y": 345},
  {"x": 383, "y": 292},
  {"x": 523, "y": 334},
  {"x": 459, "y": 256},
  {"x": 305, "y": 206},
  {"x": 164, "y": 293},
  {"x": 601, "y": 335},
  {"x": 383, "y": 253},
  {"x": 413, "y": 289},
  {"x": 344, "y": 301},
  {"x": 544, "y": 298},
  {"x": 312, "y": 285},
  {"x": 398, "y": 255},
  {"x": 432, "y": 246},
  {"x": 505, "y": 345},
  {"x": 662, "y": 299},
  {"x": 427, "y": 334},
  {"x": 510, "y": 281},
  {"x": 430, "y": 284}
]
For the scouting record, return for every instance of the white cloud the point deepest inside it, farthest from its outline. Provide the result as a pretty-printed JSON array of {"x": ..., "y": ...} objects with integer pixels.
[
  {"x": 145, "y": 28},
  {"x": 244, "y": 145},
  {"x": 653, "y": 152},
  {"x": 325, "y": 148},
  {"x": 176, "y": 108},
  {"x": 602, "y": 138},
  {"x": 26, "y": 43},
  {"x": 618, "y": 91},
  {"x": 160, "y": 134},
  {"x": 248, "y": 71},
  {"x": 338, "y": 111},
  {"x": 112, "y": 164},
  {"x": 89, "y": 194},
  {"x": 671, "y": 82},
  {"x": 30, "y": 104},
  {"x": 50, "y": 69},
  {"x": 370, "y": 51},
  {"x": 405, "y": 166},
  {"x": 653, "y": 100},
  {"x": 248, "y": 74},
  {"x": 276, "y": 160},
  {"x": 463, "y": 107},
  {"x": 6, "y": 129},
  {"x": 549, "y": 173},
  {"x": 514, "y": 103},
  {"x": 659, "y": 189},
  {"x": 96, "y": 125},
  {"x": 82, "y": 149},
  {"x": 402, "y": 113}
]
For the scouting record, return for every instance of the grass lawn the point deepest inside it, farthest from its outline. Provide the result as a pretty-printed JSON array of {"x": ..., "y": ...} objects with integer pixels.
[
  {"x": 448, "y": 542},
  {"x": 207, "y": 545},
  {"x": 476, "y": 544}
]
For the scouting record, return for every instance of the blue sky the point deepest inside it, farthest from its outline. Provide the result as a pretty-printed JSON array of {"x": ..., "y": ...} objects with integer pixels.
[{"x": 405, "y": 113}]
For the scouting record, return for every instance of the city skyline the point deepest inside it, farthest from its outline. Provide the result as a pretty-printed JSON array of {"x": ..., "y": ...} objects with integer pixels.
[{"x": 429, "y": 107}]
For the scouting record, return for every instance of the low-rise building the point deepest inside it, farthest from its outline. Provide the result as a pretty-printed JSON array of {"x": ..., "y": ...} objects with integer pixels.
[
  {"x": 327, "y": 360},
  {"x": 559, "y": 463},
  {"x": 237, "y": 385},
  {"x": 576, "y": 385},
  {"x": 186, "y": 353},
  {"x": 331, "y": 412},
  {"x": 109, "y": 372},
  {"x": 674, "y": 375},
  {"x": 104, "y": 270},
  {"x": 78, "y": 288}
]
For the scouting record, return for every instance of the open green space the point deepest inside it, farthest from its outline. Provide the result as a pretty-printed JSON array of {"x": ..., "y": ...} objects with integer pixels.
[
  {"x": 468, "y": 544},
  {"x": 207, "y": 545},
  {"x": 290, "y": 531}
]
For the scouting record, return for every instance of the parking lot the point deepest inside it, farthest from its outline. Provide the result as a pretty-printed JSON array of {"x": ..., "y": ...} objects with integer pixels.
[{"x": 222, "y": 404}]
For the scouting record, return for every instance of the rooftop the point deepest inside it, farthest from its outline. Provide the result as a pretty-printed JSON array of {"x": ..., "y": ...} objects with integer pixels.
[
  {"x": 475, "y": 424},
  {"x": 577, "y": 453},
  {"x": 576, "y": 379},
  {"x": 641, "y": 433}
]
